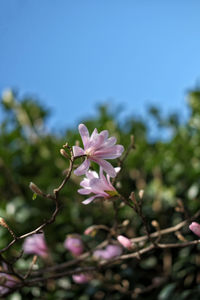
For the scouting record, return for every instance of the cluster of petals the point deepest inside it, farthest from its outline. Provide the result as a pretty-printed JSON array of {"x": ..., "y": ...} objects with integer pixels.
[
  {"x": 109, "y": 252},
  {"x": 82, "y": 278},
  {"x": 36, "y": 244},
  {"x": 99, "y": 185},
  {"x": 8, "y": 284},
  {"x": 195, "y": 228},
  {"x": 97, "y": 148},
  {"x": 74, "y": 244}
]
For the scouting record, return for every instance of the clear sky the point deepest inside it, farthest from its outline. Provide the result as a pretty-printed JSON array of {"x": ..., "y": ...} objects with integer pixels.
[{"x": 75, "y": 53}]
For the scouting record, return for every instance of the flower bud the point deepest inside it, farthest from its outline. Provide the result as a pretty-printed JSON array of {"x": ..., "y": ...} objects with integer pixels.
[
  {"x": 195, "y": 228},
  {"x": 36, "y": 244},
  {"x": 82, "y": 278},
  {"x": 34, "y": 188},
  {"x": 124, "y": 241},
  {"x": 63, "y": 153},
  {"x": 3, "y": 223},
  {"x": 141, "y": 194},
  {"x": 74, "y": 244},
  {"x": 90, "y": 231}
]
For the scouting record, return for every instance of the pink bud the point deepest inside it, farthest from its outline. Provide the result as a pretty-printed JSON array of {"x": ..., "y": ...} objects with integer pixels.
[
  {"x": 74, "y": 244},
  {"x": 81, "y": 278},
  {"x": 124, "y": 241},
  {"x": 36, "y": 244},
  {"x": 195, "y": 228},
  {"x": 89, "y": 230}
]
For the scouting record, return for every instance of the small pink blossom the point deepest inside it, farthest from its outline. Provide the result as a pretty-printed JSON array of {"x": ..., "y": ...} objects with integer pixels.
[
  {"x": 97, "y": 147},
  {"x": 109, "y": 252},
  {"x": 124, "y": 241},
  {"x": 195, "y": 228},
  {"x": 90, "y": 231},
  {"x": 81, "y": 278},
  {"x": 98, "y": 185},
  {"x": 8, "y": 281},
  {"x": 74, "y": 244},
  {"x": 36, "y": 244}
]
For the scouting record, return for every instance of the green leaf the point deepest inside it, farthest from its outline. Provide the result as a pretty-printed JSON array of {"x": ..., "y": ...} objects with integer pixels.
[{"x": 34, "y": 196}]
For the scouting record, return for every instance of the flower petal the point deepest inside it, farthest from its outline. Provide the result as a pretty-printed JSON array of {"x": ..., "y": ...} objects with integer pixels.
[
  {"x": 98, "y": 187},
  {"x": 104, "y": 133},
  {"x": 107, "y": 184},
  {"x": 84, "y": 134},
  {"x": 91, "y": 174},
  {"x": 84, "y": 191},
  {"x": 94, "y": 134},
  {"x": 82, "y": 169},
  {"x": 96, "y": 141},
  {"x": 110, "y": 142},
  {"x": 77, "y": 151},
  {"x": 89, "y": 200},
  {"x": 85, "y": 183},
  {"x": 108, "y": 168},
  {"x": 110, "y": 153}
]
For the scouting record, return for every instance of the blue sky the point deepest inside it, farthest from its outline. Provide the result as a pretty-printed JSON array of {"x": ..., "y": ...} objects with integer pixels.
[{"x": 73, "y": 54}]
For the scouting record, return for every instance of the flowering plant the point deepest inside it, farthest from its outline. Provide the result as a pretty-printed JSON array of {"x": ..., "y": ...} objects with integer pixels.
[{"x": 105, "y": 249}]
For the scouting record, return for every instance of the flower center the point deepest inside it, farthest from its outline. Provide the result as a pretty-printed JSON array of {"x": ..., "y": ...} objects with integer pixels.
[
  {"x": 90, "y": 151},
  {"x": 112, "y": 193}
]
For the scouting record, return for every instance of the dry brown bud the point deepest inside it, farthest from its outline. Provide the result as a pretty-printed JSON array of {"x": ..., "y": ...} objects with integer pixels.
[
  {"x": 77, "y": 143},
  {"x": 155, "y": 224},
  {"x": 141, "y": 194},
  {"x": 126, "y": 222},
  {"x": 35, "y": 189},
  {"x": 63, "y": 153},
  {"x": 3, "y": 223},
  {"x": 133, "y": 199}
]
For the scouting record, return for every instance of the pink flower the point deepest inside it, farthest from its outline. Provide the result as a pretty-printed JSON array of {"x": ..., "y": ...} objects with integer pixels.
[
  {"x": 109, "y": 252},
  {"x": 8, "y": 281},
  {"x": 81, "y": 278},
  {"x": 97, "y": 148},
  {"x": 98, "y": 185},
  {"x": 74, "y": 244},
  {"x": 35, "y": 244},
  {"x": 124, "y": 241},
  {"x": 195, "y": 227}
]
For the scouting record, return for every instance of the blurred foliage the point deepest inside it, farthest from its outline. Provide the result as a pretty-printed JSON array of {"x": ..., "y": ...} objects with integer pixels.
[{"x": 167, "y": 169}]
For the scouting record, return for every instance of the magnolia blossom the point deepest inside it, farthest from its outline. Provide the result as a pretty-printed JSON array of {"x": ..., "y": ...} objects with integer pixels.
[
  {"x": 98, "y": 185},
  {"x": 82, "y": 278},
  {"x": 35, "y": 244},
  {"x": 97, "y": 147},
  {"x": 74, "y": 244},
  {"x": 109, "y": 252},
  {"x": 7, "y": 282},
  {"x": 195, "y": 227},
  {"x": 124, "y": 241}
]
